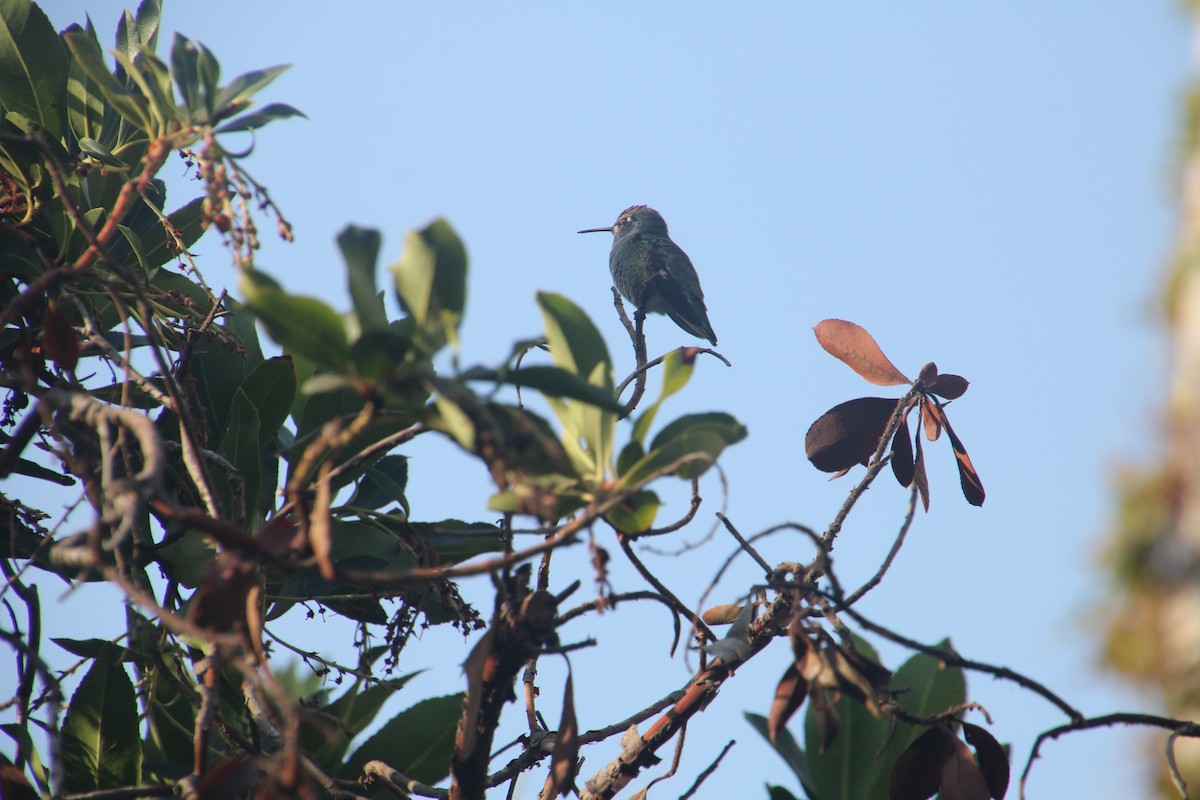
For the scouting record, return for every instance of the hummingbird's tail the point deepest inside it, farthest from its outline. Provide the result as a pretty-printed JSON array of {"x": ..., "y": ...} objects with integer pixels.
[{"x": 697, "y": 325}]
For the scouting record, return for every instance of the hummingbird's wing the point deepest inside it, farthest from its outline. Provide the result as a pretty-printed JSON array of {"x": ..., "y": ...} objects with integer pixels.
[{"x": 676, "y": 282}]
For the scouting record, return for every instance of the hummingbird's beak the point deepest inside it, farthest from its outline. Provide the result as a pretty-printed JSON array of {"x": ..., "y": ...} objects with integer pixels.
[{"x": 596, "y": 230}]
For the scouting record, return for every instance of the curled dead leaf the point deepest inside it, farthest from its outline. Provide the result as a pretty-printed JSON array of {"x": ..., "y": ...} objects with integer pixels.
[{"x": 789, "y": 696}]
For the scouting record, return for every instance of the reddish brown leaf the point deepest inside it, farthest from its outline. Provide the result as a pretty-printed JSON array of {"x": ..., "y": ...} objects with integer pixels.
[
  {"x": 320, "y": 532},
  {"x": 919, "y": 476},
  {"x": 723, "y": 614},
  {"x": 13, "y": 783},
  {"x": 961, "y": 778},
  {"x": 59, "y": 338},
  {"x": 928, "y": 374},
  {"x": 801, "y": 644},
  {"x": 917, "y": 774},
  {"x": 972, "y": 487},
  {"x": 848, "y": 433},
  {"x": 279, "y": 536},
  {"x": 827, "y": 719},
  {"x": 951, "y": 387},
  {"x": 221, "y": 601},
  {"x": 857, "y": 349},
  {"x": 993, "y": 761},
  {"x": 902, "y": 455},
  {"x": 929, "y": 421},
  {"x": 860, "y": 678},
  {"x": 565, "y": 761},
  {"x": 789, "y": 696},
  {"x": 477, "y": 671},
  {"x": 228, "y": 779},
  {"x": 814, "y": 668}
]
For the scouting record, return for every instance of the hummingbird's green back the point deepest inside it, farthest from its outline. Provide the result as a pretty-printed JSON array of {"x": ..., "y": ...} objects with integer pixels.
[{"x": 654, "y": 273}]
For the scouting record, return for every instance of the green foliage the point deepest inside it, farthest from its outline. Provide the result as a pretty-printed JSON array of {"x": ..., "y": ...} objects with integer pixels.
[
  {"x": 101, "y": 742},
  {"x": 417, "y": 742}
]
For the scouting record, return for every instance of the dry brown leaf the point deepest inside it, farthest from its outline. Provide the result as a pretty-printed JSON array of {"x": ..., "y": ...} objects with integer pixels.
[
  {"x": 848, "y": 433},
  {"x": 961, "y": 778},
  {"x": 320, "y": 533},
  {"x": 902, "y": 455},
  {"x": 59, "y": 338},
  {"x": 919, "y": 476},
  {"x": 993, "y": 761},
  {"x": 789, "y": 696},
  {"x": 565, "y": 761},
  {"x": 917, "y": 773},
  {"x": 857, "y": 349},
  {"x": 972, "y": 486},
  {"x": 950, "y": 387}
]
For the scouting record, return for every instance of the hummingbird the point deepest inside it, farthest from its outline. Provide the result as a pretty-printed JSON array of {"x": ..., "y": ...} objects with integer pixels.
[{"x": 654, "y": 273}]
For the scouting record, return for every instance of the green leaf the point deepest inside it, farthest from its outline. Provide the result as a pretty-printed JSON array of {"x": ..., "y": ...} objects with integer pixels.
[
  {"x": 271, "y": 387},
  {"x": 360, "y": 251},
  {"x": 383, "y": 483},
  {"x": 102, "y": 746},
  {"x": 636, "y": 514},
  {"x": 185, "y": 68},
  {"x": 245, "y": 86},
  {"x": 694, "y": 433},
  {"x": 90, "y": 648},
  {"x": 930, "y": 688},
  {"x": 418, "y": 741},
  {"x": 380, "y": 355},
  {"x": 455, "y": 540},
  {"x": 240, "y": 444},
  {"x": 453, "y": 420},
  {"x": 576, "y": 346},
  {"x": 303, "y": 325},
  {"x": 575, "y": 343},
  {"x": 353, "y": 711},
  {"x": 134, "y": 32},
  {"x": 551, "y": 381},
  {"x": 16, "y": 256},
  {"x": 779, "y": 793},
  {"x": 187, "y": 558},
  {"x": 676, "y": 373},
  {"x": 789, "y": 750},
  {"x": 431, "y": 280},
  {"x": 134, "y": 109},
  {"x": 259, "y": 118},
  {"x": 153, "y": 79},
  {"x": 85, "y": 101},
  {"x": 33, "y": 66},
  {"x": 90, "y": 147},
  {"x": 696, "y": 449}
]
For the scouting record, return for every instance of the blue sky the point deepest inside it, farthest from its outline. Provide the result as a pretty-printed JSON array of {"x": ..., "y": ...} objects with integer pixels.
[{"x": 987, "y": 185}]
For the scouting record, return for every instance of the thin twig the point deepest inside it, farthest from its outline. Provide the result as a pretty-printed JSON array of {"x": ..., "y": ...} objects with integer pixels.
[
  {"x": 953, "y": 659},
  {"x": 746, "y": 546},
  {"x": 887, "y": 562},
  {"x": 661, "y": 588},
  {"x": 1179, "y": 727},
  {"x": 708, "y": 771}
]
